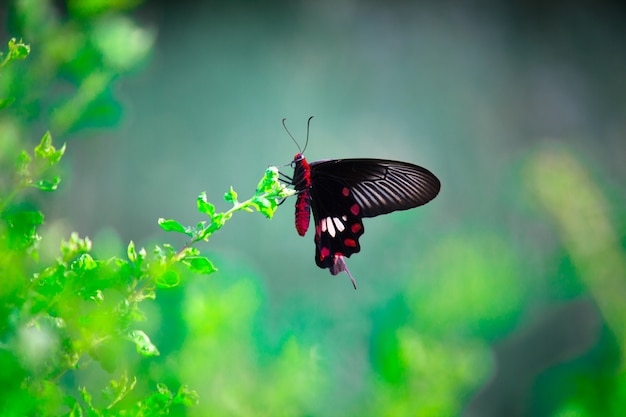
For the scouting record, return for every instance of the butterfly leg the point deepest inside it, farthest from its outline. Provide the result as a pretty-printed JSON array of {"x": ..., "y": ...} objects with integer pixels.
[
  {"x": 340, "y": 266},
  {"x": 285, "y": 178}
]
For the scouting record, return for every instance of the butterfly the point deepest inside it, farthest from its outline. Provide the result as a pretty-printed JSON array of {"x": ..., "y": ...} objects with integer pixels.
[{"x": 341, "y": 192}]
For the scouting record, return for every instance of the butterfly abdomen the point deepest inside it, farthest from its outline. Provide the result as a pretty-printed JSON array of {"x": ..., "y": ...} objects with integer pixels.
[{"x": 302, "y": 184}]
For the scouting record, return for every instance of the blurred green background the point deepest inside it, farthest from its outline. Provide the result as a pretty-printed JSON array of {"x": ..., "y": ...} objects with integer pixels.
[{"x": 502, "y": 297}]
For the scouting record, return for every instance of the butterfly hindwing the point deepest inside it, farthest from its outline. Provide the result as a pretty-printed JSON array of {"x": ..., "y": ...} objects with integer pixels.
[{"x": 338, "y": 226}]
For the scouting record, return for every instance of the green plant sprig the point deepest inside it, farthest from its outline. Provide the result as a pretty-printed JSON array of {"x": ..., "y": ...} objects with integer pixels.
[
  {"x": 269, "y": 194},
  {"x": 64, "y": 314},
  {"x": 18, "y": 50}
]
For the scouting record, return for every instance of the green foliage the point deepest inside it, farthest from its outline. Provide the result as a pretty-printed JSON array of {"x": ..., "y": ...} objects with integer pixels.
[
  {"x": 17, "y": 51},
  {"x": 67, "y": 84},
  {"x": 269, "y": 193},
  {"x": 75, "y": 312}
]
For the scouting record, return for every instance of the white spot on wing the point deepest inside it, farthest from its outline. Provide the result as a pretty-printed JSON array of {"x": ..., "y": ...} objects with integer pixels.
[
  {"x": 339, "y": 224},
  {"x": 330, "y": 224}
]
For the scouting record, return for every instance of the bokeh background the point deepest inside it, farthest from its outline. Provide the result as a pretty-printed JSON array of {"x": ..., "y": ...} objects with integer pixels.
[{"x": 502, "y": 297}]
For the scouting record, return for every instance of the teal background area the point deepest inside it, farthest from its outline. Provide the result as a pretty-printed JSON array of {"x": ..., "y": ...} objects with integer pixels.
[{"x": 483, "y": 302}]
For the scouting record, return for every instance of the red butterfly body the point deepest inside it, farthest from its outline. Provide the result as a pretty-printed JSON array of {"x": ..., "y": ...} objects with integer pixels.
[{"x": 340, "y": 192}]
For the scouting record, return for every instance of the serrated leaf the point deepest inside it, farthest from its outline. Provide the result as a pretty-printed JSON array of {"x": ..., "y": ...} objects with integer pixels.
[
  {"x": 199, "y": 265},
  {"x": 231, "y": 196},
  {"x": 173, "y": 226},
  {"x": 142, "y": 343},
  {"x": 204, "y": 206}
]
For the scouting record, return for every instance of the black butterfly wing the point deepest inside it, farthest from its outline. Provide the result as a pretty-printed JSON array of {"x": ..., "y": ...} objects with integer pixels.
[
  {"x": 343, "y": 191},
  {"x": 379, "y": 186}
]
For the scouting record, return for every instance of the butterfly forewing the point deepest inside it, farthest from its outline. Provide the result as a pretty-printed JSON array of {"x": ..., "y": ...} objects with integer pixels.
[{"x": 378, "y": 186}]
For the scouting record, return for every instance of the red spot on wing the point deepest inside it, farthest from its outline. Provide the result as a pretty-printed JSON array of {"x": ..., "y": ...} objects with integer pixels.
[
  {"x": 345, "y": 191},
  {"x": 350, "y": 243},
  {"x": 355, "y": 209},
  {"x": 356, "y": 227},
  {"x": 324, "y": 252}
]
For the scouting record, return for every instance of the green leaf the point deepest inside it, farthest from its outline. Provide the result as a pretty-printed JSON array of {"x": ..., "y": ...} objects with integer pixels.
[
  {"x": 269, "y": 181},
  {"x": 45, "y": 148},
  {"x": 231, "y": 196},
  {"x": 186, "y": 396},
  {"x": 18, "y": 50},
  {"x": 74, "y": 247},
  {"x": 189, "y": 252},
  {"x": 131, "y": 252},
  {"x": 219, "y": 220},
  {"x": 156, "y": 404},
  {"x": 22, "y": 227},
  {"x": 86, "y": 396},
  {"x": 97, "y": 296},
  {"x": 83, "y": 263},
  {"x": 118, "y": 389},
  {"x": 55, "y": 156},
  {"x": 142, "y": 343},
  {"x": 168, "y": 279},
  {"x": 173, "y": 226},
  {"x": 23, "y": 165},
  {"x": 48, "y": 185},
  {"x": 199, "y": 265},
  {"x": 204, "y": 206},
  {"x": 46, "y": 151},
  {"x": 265, "y": 206}
]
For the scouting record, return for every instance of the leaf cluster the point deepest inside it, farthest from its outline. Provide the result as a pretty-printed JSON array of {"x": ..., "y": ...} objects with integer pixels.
[
  {"x": 80, "y": 308},
  {"x": 61, "y": 316},
  {"x": 270, "y": 193}
]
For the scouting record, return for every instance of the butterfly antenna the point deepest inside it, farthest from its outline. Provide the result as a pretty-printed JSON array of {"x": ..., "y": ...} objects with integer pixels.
[
  {"x": 291, "y": 136},
  {"x": 308, "y": 124}
]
